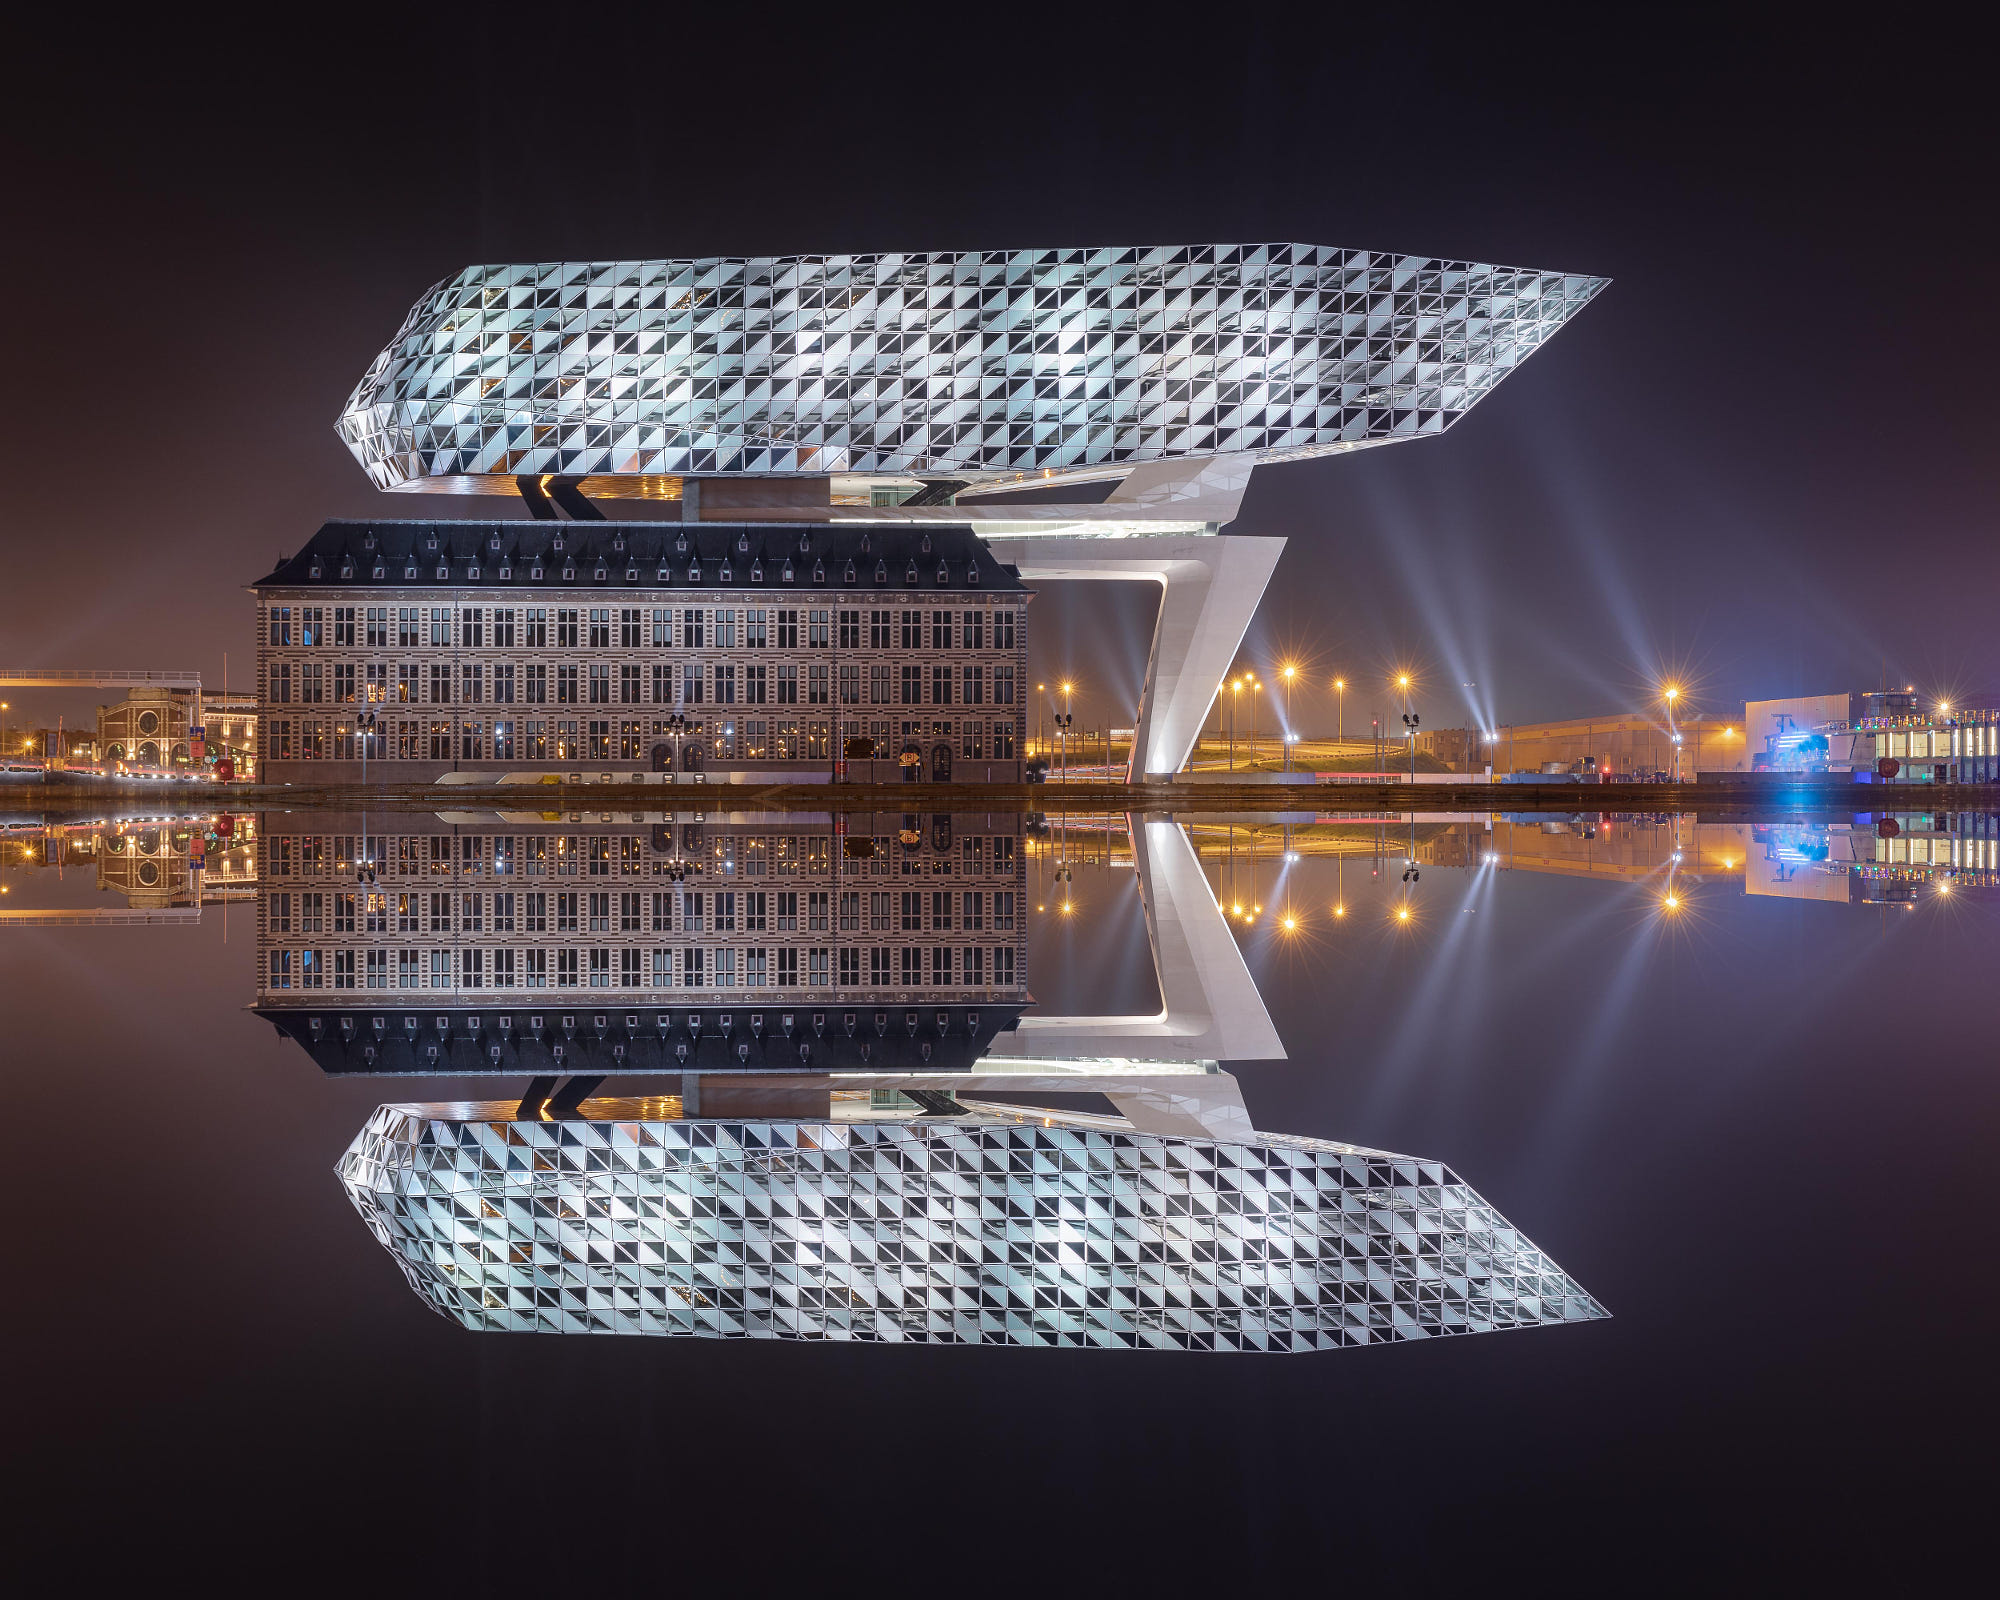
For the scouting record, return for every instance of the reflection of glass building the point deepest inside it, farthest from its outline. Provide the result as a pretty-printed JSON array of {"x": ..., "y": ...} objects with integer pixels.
[
  {"x": 516, "y": 649},
  {"x": 974, "y": 1227},
  {"x": 518, "y": 943}
]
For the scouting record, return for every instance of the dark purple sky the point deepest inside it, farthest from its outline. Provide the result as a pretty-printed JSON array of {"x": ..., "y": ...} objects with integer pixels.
[{"x": 1746, "y": 461}]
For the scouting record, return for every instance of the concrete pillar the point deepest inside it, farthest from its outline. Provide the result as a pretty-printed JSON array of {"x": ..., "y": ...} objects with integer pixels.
[{"x": 1209, "y": 590}]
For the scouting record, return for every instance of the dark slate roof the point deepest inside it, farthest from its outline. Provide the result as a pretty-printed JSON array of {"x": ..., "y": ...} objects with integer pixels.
[
  {"x": 796, "y": 556},
  {"x": 452, "y": 1041}
]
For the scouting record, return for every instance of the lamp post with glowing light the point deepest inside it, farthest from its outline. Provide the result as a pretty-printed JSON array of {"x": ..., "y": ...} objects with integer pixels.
[
  {"x": 1671, "y": 693},
  {"x": 1256, "y": 689},
  {"x": 1289, "y": 674},
  {"x": 1409, "y": 722},
  {"x": 1340, "y": 710},
  {"x": 1235, "y": 689}
]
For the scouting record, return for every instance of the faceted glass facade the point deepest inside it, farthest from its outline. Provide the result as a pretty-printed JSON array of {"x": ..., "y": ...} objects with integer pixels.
[
  {"x": 962, "y": 1230},
  {"x": 972, "y": 364}
]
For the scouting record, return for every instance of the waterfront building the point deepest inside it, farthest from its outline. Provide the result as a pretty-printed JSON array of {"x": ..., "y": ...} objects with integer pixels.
[
  {"x": 598, "y": 651},
  {"x": 153, "y": 729},
  {"x": 1097, "y": 411},
  {"x": 1864, "y": 732}
]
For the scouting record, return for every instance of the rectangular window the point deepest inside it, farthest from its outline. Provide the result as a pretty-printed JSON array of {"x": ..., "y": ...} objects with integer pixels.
[
  {"x": 788, "y": 629},
  {"x": 693, "y": 968},
  {"x": 535, "y": 969},
  {"x": 600, "y": 628},
  {"x": 600, "y": 684},
  {"x": 1003, "y": 967},
  {"x": 1003, "y": 630},
  {"x": 628, "y": 684},
  {"x": 913, "y": 630},
  {"x": 472, "y": 684},
  {"x": 694, "y": 681},
  {"x": 472, "y": 627},
  {"x": 537, "y": 628},
  {"x": 663, "y": 630},
  {"x": 816, "y": 686},
  {"x": 503, "y": 685},
  {"x": 940, "y": 686},
  {"x": 503, "y": 969},
  {"x": 566, "y": 969},
  {"x": 503, "y": 629},
  {"x": 913, "y": 685},
  {"x": 725, "y": 969},
  {"x": 788, "y": 683},
  {"x": 725, "y": 685},
  {"x": 850, "y": 968},
  {"x": 566, "y": 686},
  {"x": 691, "y": 628},
  {"x": 1003, "y": 687},
  {"x": 440, "y": 684},
  {"x": 974, "y": 681},
  {"x": 817, "y": 637},
  {"x": 754, "y": 685},
  {"x": 850, "y": 630},
  {"x": 630, "y": 623},
  {"x": 754, "y": 635},
  {"x": 880, "y": 975},
  {"x": 565, "y": 630},
  {"x": 663, "y": 683},
  {"x": 913, "y": 967},
  {"x": 972, "y": 630}
]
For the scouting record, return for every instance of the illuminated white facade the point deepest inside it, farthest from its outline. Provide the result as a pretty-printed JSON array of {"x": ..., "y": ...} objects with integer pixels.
[
  {"x": 980, "y": 1228},
  {"x": 977, "y": 366}
]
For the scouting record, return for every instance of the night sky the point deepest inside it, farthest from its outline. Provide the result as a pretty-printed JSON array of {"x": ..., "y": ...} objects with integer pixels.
[
  {"x": 1743, "y": 463},
  {"x": 1761, "y": 461}
]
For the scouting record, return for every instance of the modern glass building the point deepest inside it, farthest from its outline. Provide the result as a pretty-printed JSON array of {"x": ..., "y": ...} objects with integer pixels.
[
  {"x": 975, "y": 1226},
  {"x": 976, "y": 367}
]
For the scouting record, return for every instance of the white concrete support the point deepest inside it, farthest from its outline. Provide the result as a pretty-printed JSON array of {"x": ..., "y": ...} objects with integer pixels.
[
  {"x": 1210, "y": 1008},
  {"x": 1210, "y": 587}
]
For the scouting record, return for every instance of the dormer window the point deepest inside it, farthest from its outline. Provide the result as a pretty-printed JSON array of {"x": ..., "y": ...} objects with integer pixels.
[
  {"x": 558, "y": 544},
  {"x": 725, "y": 573},
  {"x": 881, "y": 572},
  {"x": 972, "y": 573},
  {"x": 743, "y": 544},
  {"x": 472, "y": 572},
  {"x": 910, "y": 577},
  {"x": 944, "y": 575},
  {"x": 864, "y": 541},
  {"x": 681, "y": 545},
  {"x": 694, "y": 572},
  {"x": 444, "y": 574},
  {"x": 847, "y": 575},
  {"x": 757, "y": 571},
  {"x": 664, "y": 572},
  {"x": 819, "y": 572},
  {"x": 618, "y": 543},
  {"x": 431, "y": 543},
  {"x": 786, "y": 575},
  {"x": 535, "y": 572},
  {"x": 381, "y": 572},
  {"x": 569, "y": 574},
  {"x": 368, "y": 540},
  {"x": 631, "y": 574},
  {"x": 315, "y": 571},
  {"x": 506, "y": 573},
  {"x": 410, "y": 571},
  {"x": 926, "y": 547}
]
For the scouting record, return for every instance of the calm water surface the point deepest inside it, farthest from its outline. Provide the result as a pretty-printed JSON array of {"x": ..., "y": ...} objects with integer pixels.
[{"x": 1739, "y": 1082}]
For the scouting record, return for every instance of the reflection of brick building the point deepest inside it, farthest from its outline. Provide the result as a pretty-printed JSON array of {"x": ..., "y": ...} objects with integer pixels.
[
  {"x": 911, "y": 925},
  {"x": 151, "y": 728},
  {"x": 149, "y": 866},
  {"x": 734, "y": 650}
]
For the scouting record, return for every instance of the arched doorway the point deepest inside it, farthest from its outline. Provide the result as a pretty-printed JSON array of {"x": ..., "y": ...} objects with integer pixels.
[
  {"x": 181, "y": 752},
  {"x": 941, "y": 762},
  {"x": 149, "y": 754},
  {"x": 691, "y": 757},
  {"x": 663, "y": 758},
  {"x": 114, "y": 752}
]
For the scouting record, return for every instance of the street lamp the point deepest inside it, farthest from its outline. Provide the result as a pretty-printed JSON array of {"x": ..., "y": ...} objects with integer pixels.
[
  {"x": 1068, "y": 721},
  {"x": 1340, "y": 710},
  {"x": 1289, "y": 674},
  {"x": 1235, "y": 689},
  {"x": 1256, "y": 689}
]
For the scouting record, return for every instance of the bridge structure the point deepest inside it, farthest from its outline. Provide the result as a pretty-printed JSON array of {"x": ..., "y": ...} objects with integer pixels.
[{"x": 97, "y": 678}]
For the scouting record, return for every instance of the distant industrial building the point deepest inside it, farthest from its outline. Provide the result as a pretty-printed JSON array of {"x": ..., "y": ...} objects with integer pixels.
[
  {"x": 153, "y": 729},
  {"x": 1621, "y": 748}
]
